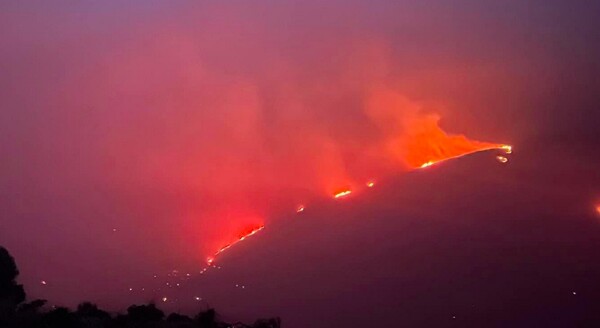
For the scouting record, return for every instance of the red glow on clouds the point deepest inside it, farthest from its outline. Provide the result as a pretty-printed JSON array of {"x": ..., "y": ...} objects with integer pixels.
[{"x": 207, "y": 142}]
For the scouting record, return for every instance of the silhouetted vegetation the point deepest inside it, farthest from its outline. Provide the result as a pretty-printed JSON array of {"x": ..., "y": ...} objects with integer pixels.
[{"x": 15, "y": 313}]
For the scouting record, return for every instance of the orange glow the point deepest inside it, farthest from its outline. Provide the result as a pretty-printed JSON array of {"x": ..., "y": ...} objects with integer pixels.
[
  {"x": 426, "y": 144},
  {"x": 413, "y": 135},
  {"x": 249, "y": 231},
  {"x": 371, "y": 184},
  {"x": 342, "y": 194},
  {"x": 428, "y": 164},
  {"x": 507, "y": 149},
  {"x": 598, "y": 209},
  {"x": 501, "y": 159}
]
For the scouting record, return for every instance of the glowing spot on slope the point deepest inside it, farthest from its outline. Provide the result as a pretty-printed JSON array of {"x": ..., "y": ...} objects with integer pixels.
[
  {"x": 428, "y": 164},
  {"x": 342, "y": 194},
  {"x": 43, "y": 282},
  {"x": 300, "y": 209},
  {"x": 164, "y": 299},
  {"x": 598, "y": 209},
  {"x": 242, "y": 236},
  {"x": 371, "y": 184},
  {"x": 501, "y": 159}
]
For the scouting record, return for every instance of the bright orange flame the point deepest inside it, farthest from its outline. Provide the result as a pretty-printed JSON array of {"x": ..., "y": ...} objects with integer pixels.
[
  {"x": 342, "y": 194},
  {"x": 425, "y": 143},
  {"x": 428, "y": 164},
  {"x": 249, "y": 231},
  {"x": 414, "y": 137}
]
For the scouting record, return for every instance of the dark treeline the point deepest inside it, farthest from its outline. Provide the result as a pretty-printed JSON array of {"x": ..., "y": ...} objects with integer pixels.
[{"x": 16, "y": 313}]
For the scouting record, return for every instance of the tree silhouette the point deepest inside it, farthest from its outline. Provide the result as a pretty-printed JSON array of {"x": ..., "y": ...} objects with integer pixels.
[
  {"x": 90, "y": 316},
  {"x": 179, "y": 318},
  {"x": 267, "y": 323},
  {"x": 11, "y": 293},
  {"x": 207, "y": 319},
  {"x": 32, "y": 307},
  {"x": 60, "y": 317},
  {"x": 16, "y": 314},
  {"x": 144, "y": 313}
]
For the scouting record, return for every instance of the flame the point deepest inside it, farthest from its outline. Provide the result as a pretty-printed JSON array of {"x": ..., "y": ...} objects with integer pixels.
[
  {"x": 249, "y": 231},
  {"x": 428, "y": 164},
  {"x": 426, "y": 144},
  {"x": 342, "y": 193},
  {"x": 405, "y": 134},
  {"x": 414, "y": 137}
]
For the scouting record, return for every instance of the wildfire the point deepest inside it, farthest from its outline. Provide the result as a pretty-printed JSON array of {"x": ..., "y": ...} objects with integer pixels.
[
  {"x": 411, "y": 138},
  {"x": 342, "y": 194},
  {"x": 424, "y": 143},
  {"x": 500, "y": 158},
  {"x": 427, "y": 164},
  {"x": 242, "y": 236},
  {"x": 370, "y": 184}
]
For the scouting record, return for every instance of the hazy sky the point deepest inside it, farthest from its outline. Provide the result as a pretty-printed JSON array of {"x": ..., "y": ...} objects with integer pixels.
[{"x": 138, "y": 138}]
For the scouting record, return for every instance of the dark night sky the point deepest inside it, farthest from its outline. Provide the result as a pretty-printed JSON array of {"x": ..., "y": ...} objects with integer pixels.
[{"x": 136, "y": 139}]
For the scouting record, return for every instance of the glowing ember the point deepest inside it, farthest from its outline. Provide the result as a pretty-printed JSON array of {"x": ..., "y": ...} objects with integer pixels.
[
  {"x": 342, "y": 194},
  {"x": 371, "y": 184},
  {"x": 507, "y": 149},
  {"x": 428, "y": 164},
  {"x": 598, "y": 209},
  {"x": 501, "y": 159},
  {"x": 242, "y": 236},
  {"x": 43, "y": 282},
  {"x": 300, "y": 209}
]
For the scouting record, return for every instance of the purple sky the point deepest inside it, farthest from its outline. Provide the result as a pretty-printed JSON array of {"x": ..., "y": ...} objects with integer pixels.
[{"x": 178, "y": 123}]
